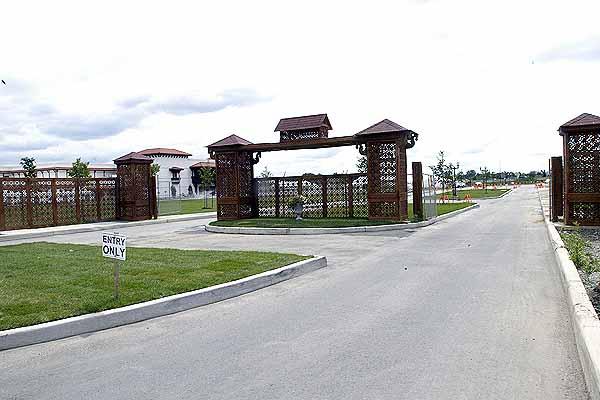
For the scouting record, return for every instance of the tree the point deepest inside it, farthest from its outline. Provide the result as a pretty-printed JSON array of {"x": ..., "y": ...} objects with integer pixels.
[
  {"x": 79, "y": 169},
  {"x": 361, "y": 164},
  {"x": 154, "y": 169},
  {"x": 485, "y": 173},
  {"x": 470, "y": 175},
  {"x": 266, "y": 173},
  {"x": 207, "y": 176},
  {"x": 441, "y": 171},
  {"x": 28, "y": 164}
]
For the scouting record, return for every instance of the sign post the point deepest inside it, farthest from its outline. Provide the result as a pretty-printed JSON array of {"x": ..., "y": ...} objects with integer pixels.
[{"x": 114, "y": 245}]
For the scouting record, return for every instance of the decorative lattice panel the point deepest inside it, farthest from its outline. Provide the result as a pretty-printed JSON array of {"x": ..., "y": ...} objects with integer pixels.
[
  {"x": 34, "y": 203},
  {"x": 338, "y": 196},
  {"x": 14, "y": 195},
  {"x": 65, "y": 202},
  {"x": 41, "y": 202},
  {"x": 360, "y": 205},
  {"x": 226, "y": 175},
  {"x": 228, "y": 211},
  {"x": 585, "y": 213},
  {"x": 384, "y": 210},
  {"x": 265, "y": 196},
  {"x": 584, "y": 164},
  {"x": 302, "y": 135},
  {"x": 108, "y": 199},
  {"x": 381, "y": 158},
  {"x": 288, "y": 187},
  {"x": 88, "y": 200},
  {"x": 246, "y": 173}
]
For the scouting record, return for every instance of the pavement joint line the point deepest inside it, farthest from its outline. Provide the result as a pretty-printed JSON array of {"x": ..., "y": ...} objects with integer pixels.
[
  {"x": 586, "y": 325},
  {"x": 330, "y": 231},
  {"x": 88, "y": 323}
]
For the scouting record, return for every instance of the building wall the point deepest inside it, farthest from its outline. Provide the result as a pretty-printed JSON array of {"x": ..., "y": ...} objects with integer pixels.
[{"x": 165, "y": 183}]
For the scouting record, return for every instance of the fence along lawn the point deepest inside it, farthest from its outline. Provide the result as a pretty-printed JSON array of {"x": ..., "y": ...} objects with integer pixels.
[{"x": 41, "y": 282}]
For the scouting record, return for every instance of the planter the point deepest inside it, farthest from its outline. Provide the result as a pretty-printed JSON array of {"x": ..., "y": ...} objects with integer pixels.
[{"x": 298, "y": 210}]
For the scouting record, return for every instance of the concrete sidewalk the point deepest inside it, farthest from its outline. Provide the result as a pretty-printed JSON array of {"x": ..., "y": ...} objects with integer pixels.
[{"x": 468, "y": 308}]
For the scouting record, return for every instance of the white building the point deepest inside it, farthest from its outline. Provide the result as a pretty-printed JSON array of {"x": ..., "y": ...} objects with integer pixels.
[
  {"x": 178, "y": 174},
  {"x": 60, "y": 171}
]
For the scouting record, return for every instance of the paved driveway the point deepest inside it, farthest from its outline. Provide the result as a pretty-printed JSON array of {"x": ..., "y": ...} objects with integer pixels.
[{"x": 469, "y": 308}]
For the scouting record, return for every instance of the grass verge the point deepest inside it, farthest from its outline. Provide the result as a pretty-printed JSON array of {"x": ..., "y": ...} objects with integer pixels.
[
  {"x": 41, "y": 282},
  {"x": 174, "y": 207},
  {"x": 327, "y": 222},
  {"x": 477, "y": 193}
]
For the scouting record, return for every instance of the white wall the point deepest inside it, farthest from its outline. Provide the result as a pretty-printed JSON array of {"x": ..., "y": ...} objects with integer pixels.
[{"x": 164, "y": 175}]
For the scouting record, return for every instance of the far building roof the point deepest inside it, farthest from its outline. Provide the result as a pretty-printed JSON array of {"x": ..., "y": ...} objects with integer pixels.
[
  {"x": 163, "y": 151},
  {"x": 204, "y": 164},
  {"x": 304, "y": 122}
]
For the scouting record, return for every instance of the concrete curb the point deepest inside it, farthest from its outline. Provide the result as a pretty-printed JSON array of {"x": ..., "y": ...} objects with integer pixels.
[
  {"x": 6, "y": 236},
  {"x": 586, "y": 324},
  {"x": 155, "y": 308},
  {"x": 329, "y": 231}
]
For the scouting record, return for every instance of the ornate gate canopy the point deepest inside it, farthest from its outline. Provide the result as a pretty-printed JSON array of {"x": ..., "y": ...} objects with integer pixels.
[
  {"x": 384, "y": 144},
  {"x": 581, "y": 151}
]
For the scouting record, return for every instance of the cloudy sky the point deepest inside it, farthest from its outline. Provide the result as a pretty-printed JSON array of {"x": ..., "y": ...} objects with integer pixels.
[{"x": 488, "y": 82}]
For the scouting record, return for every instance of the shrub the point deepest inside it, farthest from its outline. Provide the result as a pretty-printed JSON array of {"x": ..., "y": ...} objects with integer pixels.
[{"x": 578, "y": 252}]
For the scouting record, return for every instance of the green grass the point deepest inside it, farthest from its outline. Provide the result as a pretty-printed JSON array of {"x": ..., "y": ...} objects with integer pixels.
[
  {"x": 41, "y": 282},
  {"x": 579, "y": 251},
  {"x": 477, "y": 193},
  {"x": 328, "y": 222},
  {"x": 192, "y": 206}
]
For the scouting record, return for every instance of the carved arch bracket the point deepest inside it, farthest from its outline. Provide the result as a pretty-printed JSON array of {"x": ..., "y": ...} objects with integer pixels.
[
  {"x": 256, "y": 158},
  {"x": 411, "y": 139},
  {"x": 362, "y": 149}
]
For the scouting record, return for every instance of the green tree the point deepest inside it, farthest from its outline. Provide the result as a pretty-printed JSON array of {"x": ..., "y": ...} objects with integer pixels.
[
  {"x": 28, "y": 164},
  {"x": 207, "y": 176},
  {"x": 79, "y": 169},
  {"x": 361, "y": 164},
  {"x": 266, "y": 173},
  {"x": 485, "y": 175},
  {"x": 154, "y": 169},
  {"x": 442, "y": 171}
]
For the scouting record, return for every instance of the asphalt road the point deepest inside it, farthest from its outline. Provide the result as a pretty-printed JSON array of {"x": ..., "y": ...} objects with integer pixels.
[{"x": 469, "y": 308}]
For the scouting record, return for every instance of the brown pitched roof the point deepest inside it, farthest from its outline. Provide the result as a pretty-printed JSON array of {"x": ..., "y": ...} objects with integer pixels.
[
  {"x": 231, "y": 140},
  {"x": 165, "y": 151},
  {"x": 133, "y": 156},
  {"x": 204, "y": 164},
  {"x": 305, "y": 122},
  {"x": 384, "y": 126},
  {"x": 584, "y": 119}
]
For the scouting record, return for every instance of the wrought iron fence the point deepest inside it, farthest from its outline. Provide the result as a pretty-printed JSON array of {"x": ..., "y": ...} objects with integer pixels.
[
  {"x": 429, "y": 197},
  {"x": 39, "y": 202}
]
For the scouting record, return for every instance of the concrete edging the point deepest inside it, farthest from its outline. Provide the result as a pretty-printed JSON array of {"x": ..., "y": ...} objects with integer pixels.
[
  {"x": 155, "y": 308},
  {"x": 328, "y": 231},
  {"x": 6, "y": 236},
  {"x": 586, "y": 325}
]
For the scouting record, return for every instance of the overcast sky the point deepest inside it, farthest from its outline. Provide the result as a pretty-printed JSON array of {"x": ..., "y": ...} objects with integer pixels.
[{"x": 488, "y": 82}]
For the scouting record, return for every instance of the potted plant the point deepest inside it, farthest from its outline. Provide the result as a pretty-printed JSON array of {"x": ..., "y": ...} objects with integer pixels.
[{"x": 296, "y": 203}]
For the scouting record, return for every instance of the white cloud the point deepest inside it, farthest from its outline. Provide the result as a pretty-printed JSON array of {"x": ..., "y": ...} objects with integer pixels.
[{"x": 101, "y": 80}]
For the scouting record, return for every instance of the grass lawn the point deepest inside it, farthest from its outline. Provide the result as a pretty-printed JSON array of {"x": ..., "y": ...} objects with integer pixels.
[
  {"x": 41, "y": 282},
  {"x": 328, "y": 222},
  {"x": 477, "y": 193},
  {"x": 192, "y": 206}
]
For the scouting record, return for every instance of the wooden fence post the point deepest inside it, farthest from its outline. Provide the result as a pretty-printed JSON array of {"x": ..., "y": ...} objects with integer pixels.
[
  {"x": 54, "y": 202},
  {"x": 417, "y": 176},
  {"x": 556, "y": 188}
]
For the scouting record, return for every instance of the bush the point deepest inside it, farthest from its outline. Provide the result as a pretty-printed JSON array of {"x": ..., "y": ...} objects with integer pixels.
[{"x": 578, "y": 252}]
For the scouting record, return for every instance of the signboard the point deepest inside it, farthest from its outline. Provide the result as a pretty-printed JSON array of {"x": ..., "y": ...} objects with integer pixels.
[{"x": 114, "y": 246}]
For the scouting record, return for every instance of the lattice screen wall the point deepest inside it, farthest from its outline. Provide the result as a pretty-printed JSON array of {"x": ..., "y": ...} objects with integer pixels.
[
  {"x": 36, "y": 203},
  {"x": 583, "y": 178}
]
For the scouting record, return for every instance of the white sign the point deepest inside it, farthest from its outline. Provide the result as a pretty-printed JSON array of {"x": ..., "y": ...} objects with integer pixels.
[{"x": 114, "y": 246}]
